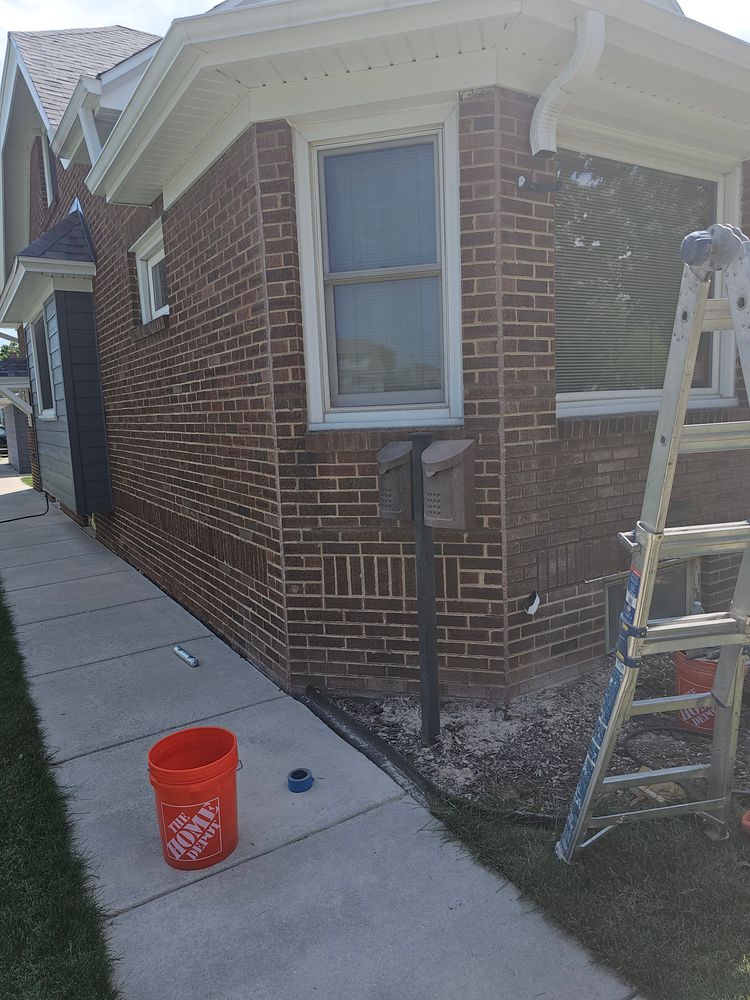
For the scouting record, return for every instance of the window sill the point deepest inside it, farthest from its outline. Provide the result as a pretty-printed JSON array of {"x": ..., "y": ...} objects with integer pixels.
[
  {"x": 386, "y": 420},
  {"x": 157, "y": 325},
  {"x": 616, "y": 406}
]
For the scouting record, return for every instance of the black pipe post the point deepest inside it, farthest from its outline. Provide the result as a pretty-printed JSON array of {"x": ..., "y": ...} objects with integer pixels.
[{"x": 426, "y": 599}]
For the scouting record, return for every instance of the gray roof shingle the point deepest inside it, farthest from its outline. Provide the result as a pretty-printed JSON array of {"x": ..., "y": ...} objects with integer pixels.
[
  {"x": 14, "y": 367},
  {"x": 56, "y": 60},
  {"x": 68, "y": 240}
]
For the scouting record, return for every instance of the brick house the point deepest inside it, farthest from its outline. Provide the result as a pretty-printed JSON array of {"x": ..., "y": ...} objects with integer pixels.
[{"x": 301, "y": 231}]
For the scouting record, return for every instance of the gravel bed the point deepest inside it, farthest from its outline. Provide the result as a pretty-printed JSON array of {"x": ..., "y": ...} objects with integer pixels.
[{"x": 531, "y": 751}]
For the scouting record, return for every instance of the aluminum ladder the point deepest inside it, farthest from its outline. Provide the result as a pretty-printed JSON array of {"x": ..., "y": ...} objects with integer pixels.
[{"x": 725, "y": 249}]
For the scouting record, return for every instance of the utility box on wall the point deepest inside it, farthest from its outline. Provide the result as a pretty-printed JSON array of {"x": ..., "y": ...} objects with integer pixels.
[
  {"x": 448, "y": 468},
  {"x": 394, "y": 481}
]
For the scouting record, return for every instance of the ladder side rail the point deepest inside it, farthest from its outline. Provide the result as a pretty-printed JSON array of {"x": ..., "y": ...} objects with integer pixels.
[
  {"x": 678, "y": 380},
  {"x": 615, "y": 710},
  {"x": 730, "y": 672}
]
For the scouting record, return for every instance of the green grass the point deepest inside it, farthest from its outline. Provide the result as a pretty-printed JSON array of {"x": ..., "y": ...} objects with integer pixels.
[
  {"x": 27, "y": 480},
  {"x": 659, "y": 903},
  {"x": 51, "y": 931}
]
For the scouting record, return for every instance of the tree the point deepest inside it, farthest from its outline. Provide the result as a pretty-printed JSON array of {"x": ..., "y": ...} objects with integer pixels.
[{"x": 8, "y": 351}]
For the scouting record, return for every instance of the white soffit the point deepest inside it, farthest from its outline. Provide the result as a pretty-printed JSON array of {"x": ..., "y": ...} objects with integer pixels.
[{"x": 220, "y": 72}]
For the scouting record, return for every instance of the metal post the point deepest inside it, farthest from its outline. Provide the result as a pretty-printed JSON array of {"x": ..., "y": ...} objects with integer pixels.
[{"x": 426, "y": 600}]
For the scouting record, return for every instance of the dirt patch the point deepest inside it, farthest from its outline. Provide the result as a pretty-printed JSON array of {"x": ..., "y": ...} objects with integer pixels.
[{"x": 532, "y": 750}]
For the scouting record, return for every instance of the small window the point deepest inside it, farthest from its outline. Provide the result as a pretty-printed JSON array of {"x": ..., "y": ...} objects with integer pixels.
[
  {"x": 152, "y": 273},
  {"x": 674, "y": 592},
  {"x": 46, "y": 401}
]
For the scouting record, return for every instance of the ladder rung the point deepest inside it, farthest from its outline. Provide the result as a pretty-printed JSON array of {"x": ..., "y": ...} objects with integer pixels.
[
  {"x": 680, "y": 809},
  {"x": 718, "y": 316},
  {"x": 730, "y": 435},
  {"x": 696, "y": 540},
  {"x": 706, "y": 539},
  {"x": 674, "y": 703},
  {"x": 656, "y": 777},
  {"x": 693, "y": 632}
]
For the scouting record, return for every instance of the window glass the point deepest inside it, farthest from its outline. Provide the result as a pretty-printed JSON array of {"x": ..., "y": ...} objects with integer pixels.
[
  {"x": 388, "y": 336},
  {"x": 159, "y": 284},
  {"x": 41, "y": 364},
  {"x": 618, "y": 229},
  {"x": 382, "y": 273},
  {"x": 381, "y": 207},
  {"x": 670, "y": 600}
]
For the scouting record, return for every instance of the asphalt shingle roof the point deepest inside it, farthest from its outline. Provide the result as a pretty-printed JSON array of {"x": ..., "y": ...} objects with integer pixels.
[
  {"x": 14, "y": 367},
  {"x": 68, "y": 240},
  {"x": 56, "y": 60}
]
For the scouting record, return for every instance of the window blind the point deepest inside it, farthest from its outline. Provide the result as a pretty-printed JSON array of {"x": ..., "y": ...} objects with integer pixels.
[
  {"x": 618, "y": 229},
  {"x": 382, "y": 272}
]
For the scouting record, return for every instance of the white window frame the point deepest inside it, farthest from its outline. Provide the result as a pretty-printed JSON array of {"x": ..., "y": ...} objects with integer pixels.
[
  {"x": 50, "y": 413},
  {"x": 149, "y": 251},
  {"x": 310, "y": 139},
  {"x": 49, "y": 187},
  {"x": 722, "y": 391}
]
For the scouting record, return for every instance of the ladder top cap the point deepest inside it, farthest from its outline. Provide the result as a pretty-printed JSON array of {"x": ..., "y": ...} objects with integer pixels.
[{"x": 709, "y": 250}]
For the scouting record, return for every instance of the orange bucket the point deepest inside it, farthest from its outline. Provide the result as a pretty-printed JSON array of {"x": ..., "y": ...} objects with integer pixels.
[
  {"x": 694, "y": 677},
  {"x": 194, "y": 777}
]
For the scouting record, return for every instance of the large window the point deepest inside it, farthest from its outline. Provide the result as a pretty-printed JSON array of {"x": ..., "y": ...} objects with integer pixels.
[
  {"x": 618, "y": 229},
  {"x": 46, "y": 399},
  {"x": 379, "y": 253}
]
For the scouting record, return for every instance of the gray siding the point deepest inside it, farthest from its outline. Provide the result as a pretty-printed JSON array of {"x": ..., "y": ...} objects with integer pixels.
[
  {"x": 72, "y": 447},
  {"x": 16, "y": 427},
  {"x": 52, "y": 435}
]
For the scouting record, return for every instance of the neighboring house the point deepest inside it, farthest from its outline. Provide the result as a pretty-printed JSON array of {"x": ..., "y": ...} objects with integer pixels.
[
  {"x": 294, "y": 232},
  {"x": 14, "y": 378}
]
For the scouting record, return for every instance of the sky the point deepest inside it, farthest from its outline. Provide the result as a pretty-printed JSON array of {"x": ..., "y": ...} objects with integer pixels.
[
  {"x": 147, "y": 15},
  {"x": 732, "y": 16}
]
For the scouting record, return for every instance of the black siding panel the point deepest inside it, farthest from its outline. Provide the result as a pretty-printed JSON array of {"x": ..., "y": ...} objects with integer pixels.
[{"x": 80, "y": 363}]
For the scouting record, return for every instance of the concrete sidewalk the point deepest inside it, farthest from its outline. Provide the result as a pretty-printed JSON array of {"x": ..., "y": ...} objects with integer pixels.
[{"x": 346, "y": 892}]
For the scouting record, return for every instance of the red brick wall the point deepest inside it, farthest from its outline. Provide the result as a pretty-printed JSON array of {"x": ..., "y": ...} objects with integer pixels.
[
  {"x": 350, "y": 578},
  {"x": 188, "y": 403},
  {"x": 269, "y": 532}
]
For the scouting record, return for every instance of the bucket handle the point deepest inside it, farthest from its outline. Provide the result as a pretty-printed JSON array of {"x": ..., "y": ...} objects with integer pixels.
[{"x": 238, "y": 768}]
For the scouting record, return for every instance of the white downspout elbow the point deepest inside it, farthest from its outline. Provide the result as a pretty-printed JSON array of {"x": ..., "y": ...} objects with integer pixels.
[{"x": 590, "y": 39}]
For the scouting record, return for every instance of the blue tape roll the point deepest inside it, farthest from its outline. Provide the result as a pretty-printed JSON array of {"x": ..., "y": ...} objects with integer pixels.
[{"x": 299, "y": 780}]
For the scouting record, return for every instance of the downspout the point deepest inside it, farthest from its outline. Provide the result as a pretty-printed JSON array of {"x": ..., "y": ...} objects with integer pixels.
[{"x": 590, "y": 39}]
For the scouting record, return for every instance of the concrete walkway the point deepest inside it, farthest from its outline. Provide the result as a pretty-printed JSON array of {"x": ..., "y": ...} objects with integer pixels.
[{"x": 346, "y": 892}]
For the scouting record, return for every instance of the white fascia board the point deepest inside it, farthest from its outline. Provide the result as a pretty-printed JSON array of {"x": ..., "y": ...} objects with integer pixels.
[
  {"x": 141, "y": 59},
  {"x": 272, "y": 28},
  {"x": 29, "y": 274},
  {"x": 21, "y": 66},
  {"x": 86, "y": 93}
]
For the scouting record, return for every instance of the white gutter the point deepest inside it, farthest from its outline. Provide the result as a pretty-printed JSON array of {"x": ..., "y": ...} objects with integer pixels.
[{"x": 591, "y": 36}]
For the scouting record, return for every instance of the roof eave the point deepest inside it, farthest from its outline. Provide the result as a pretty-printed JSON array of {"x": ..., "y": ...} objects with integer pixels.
[
  {"x": 268, "y": 29},
  {"x": 66, "y": 141},
  {"x": 28, "y": 277}
]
